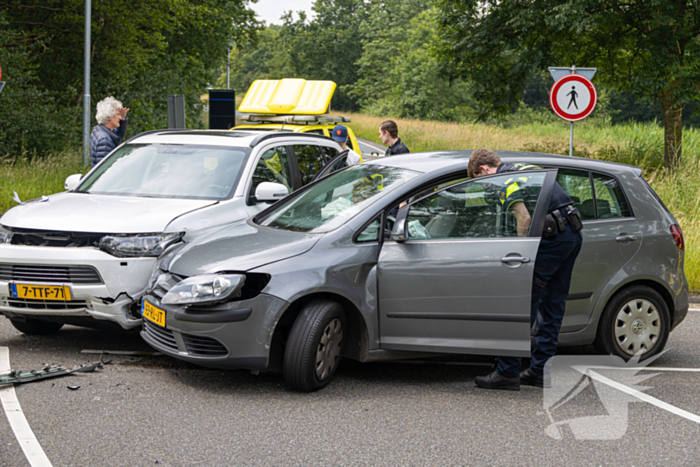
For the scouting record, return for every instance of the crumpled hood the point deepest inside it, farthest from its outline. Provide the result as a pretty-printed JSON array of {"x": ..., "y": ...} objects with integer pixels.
[
  {"x": 83, "y": 212},
  {"x": 241, "y": 247}
]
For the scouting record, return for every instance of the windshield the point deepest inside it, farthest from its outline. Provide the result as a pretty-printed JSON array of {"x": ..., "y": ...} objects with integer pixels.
[
  {"x": 337, "y": 198},
  {"x": 168, "y": 171}
]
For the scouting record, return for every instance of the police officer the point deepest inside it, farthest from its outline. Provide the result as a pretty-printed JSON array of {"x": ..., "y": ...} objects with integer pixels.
[
  {"x": 389, "y": 134},
  {"x": 559, "y": 247}
]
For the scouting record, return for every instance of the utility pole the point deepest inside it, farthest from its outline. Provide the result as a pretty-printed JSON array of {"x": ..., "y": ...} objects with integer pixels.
[
  {"x": 86, "y": 90},
  {"x": 228, "y": 67}
]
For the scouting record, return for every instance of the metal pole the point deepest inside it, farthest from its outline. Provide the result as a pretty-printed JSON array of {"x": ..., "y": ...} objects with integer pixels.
[
  {"x": 86, "y": 90},
  {"x": 571, "y": 141},
  {"x": 228, "y": 68}
]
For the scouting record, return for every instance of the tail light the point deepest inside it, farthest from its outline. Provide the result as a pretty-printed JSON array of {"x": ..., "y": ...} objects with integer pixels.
[{"x": 678, "y": 236}]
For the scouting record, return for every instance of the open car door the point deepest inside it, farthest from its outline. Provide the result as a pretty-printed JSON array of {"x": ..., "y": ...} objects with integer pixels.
[{"x": 455, "y": 276}]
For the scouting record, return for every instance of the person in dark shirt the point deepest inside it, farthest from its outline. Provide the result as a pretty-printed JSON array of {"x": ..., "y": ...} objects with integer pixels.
[
  {"x": 551, "y": 280},
  {"x": 389, "y": 134},
  {"x": 111, "y": 118}
]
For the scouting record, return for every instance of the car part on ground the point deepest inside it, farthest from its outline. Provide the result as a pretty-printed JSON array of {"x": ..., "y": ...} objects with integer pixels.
[{"x": 50, "y": 371}]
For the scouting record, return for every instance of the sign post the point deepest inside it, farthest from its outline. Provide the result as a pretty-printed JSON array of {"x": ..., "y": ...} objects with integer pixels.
[{"x": 573, "y": 96}]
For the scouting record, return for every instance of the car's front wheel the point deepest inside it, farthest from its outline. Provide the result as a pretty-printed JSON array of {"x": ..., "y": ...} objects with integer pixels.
[
  {"x": 635, "y": 321},
  {"x": 315, "y": 345},
  {"x": 36, "y": 327}
]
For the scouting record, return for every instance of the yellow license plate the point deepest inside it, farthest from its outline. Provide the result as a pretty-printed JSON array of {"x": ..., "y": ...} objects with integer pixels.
[
  {"x": 40, "y": 292},
  {"x": 153, "y": 314}
]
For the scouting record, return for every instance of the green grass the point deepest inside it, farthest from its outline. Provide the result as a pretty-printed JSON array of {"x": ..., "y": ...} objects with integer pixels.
[
  {"x": 42, "y": 176},
  {"x": 638, "y": 144}
]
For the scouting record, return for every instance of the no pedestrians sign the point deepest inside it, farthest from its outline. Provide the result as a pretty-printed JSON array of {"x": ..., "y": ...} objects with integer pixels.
[{"x": 573, "y": 97}]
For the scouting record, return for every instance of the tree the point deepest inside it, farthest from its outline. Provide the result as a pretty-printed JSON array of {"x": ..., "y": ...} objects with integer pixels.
[
  {"x": 141, "y": 51},
  {"x": 648, "y": 48},
  {"x": 327, "y": 47}
]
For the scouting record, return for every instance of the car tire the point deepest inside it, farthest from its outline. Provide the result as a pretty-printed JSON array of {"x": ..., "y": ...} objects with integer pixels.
[
  {"x": 36, "y": 327},
  {"x": 636, "y": 318},
  {"x": 314, "y": 346}
]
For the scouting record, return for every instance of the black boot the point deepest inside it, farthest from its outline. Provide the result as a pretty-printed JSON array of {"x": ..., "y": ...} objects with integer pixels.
[
  {"x": 530, "y": 378},
  {"x": 496, "y": 381}
]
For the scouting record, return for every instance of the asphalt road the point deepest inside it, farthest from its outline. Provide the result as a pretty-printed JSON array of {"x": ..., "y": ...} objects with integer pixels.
[
  {"x": 142, "y": 411},
  {"x": 371, "y": 148}
]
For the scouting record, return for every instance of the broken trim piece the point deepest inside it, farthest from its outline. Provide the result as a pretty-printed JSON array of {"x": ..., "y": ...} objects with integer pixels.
[{"x": 50, "y": 371}]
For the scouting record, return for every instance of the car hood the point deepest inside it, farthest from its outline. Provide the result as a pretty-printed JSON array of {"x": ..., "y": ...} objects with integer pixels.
[
  {"x": 241, "y": 247},
  {"x": 83, "y": 212}
]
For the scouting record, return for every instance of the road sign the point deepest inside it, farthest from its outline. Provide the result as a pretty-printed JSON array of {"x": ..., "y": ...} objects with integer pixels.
[{"x": 573, "y": 97}]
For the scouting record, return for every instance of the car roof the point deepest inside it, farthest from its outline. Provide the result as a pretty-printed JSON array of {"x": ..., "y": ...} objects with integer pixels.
[
  {"x": 440, "y": 160},
  {"x": 237, "y": 138}
]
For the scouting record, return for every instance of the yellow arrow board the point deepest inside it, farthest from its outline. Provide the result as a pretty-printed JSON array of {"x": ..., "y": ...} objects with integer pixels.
[{"x": 288, "y": 96}]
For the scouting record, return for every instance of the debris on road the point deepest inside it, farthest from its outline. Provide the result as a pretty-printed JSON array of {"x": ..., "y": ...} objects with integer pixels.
[
  {"x": 73, "y": 388},
  {"x": 50, "y": 371},
  {"x": 140, "y": 353}
]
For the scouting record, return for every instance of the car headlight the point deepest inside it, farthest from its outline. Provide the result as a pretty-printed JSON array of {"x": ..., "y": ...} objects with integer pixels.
[
  {"x": 139, "y": 244},
  {"x": 5, "y": 235},
  {"x": 205, "y": 289}
]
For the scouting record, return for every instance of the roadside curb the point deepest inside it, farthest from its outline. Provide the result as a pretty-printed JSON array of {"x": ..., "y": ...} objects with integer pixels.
[{"x": 694, "y": 299}]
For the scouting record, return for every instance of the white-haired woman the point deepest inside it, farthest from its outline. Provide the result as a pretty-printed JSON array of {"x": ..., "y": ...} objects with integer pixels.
[{"x": 106, "y": 136}]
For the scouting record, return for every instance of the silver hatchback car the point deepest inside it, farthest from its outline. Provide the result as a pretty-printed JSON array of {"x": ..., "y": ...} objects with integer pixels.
[{"x": 405, "y": 256}]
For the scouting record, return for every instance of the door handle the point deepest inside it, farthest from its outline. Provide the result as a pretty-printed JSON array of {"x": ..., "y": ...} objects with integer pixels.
[
  {"x": 626, "y": 238},
  {"x": 515, "y": 259}
]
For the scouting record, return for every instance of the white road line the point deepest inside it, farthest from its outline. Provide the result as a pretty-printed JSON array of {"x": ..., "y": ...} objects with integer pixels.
[
  {"x": 646, "y": 368},
  {"x": 372, "y": 145},
  {"x": 23, "y": 432},
  {"x": 642, "y": 396}
]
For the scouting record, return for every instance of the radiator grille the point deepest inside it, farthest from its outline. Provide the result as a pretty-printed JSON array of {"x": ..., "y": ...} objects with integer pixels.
[
  {"x": 46, "y": 304},
  {"x": 35, "y": 273}
]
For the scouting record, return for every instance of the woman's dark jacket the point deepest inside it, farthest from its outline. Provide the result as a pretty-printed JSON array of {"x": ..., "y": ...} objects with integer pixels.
[{"x": 103, "y": 141}]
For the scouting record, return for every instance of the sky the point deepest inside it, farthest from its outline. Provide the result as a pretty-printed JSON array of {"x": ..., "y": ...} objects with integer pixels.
[{"x": 271, "y": 10}]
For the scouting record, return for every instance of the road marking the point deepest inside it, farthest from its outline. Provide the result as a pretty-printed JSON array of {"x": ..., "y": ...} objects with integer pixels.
[
  {"x": 646, "y": 368},
  {"x": 23, "y": 432},
  {"x": 372, "y": 145},
  {"x": 640, "y": 395}
]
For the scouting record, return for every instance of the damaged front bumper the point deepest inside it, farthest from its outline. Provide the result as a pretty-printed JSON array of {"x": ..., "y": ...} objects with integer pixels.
[{"x": 110, "y": 293}]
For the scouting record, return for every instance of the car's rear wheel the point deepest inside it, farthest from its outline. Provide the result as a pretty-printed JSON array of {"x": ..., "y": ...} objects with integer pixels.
[
  {"x": 315, "y": 345},
  {"x": 635, "y": 321},
  {"x": 36, "y": 327}
]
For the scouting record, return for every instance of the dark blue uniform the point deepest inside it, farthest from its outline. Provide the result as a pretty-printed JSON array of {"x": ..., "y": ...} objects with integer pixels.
[
  {"x": 397, "y": 148},
  {"x": 550, "y": 284}
]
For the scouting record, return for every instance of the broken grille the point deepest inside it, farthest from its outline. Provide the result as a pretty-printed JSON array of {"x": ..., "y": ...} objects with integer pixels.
[
  {"x": 203, "y": 346},
  {"x": 33, "y": 273},
  {"x": 46, "y": 304},
  {"x": 55, "y": 238}
]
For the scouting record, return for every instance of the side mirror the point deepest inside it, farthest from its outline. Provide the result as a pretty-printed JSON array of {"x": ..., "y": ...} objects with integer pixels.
[
  {"x": 269, "y": 192},
  {"x": 72, "y": 181},
  {"x": 398, "y": 233}
]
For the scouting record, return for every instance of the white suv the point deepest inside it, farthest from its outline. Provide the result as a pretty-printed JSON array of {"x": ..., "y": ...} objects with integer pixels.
[{"x": 85, "y": 256}]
